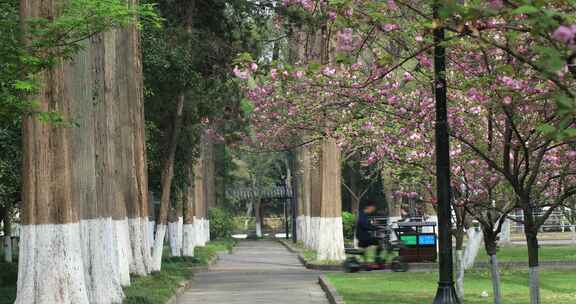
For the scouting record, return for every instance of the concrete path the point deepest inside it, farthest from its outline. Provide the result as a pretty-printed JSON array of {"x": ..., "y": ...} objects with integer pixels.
[{"x": 257, "y": 272}]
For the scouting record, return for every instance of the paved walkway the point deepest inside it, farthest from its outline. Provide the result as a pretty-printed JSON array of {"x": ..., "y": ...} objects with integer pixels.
[{"x": 257, "y": 272}]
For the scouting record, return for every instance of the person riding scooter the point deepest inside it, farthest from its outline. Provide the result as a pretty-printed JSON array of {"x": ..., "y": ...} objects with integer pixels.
[{"x": 365, "y": 230}]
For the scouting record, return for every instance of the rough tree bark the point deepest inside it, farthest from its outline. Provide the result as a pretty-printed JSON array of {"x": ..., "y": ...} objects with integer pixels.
[
  {"x": 136, "y": 100},
  {"x": 107, "y": 151},
  {"x": 330, "y": 238},
  {"x": 90, "y": 183},
  {"x": 166, "y": 183},
  {"x": 51, "y": 246}
]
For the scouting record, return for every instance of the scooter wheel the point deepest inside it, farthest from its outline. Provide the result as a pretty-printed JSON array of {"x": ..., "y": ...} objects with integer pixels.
[
  {"x": 351, "y": 265},
  {"x": 398, "y": 265}
]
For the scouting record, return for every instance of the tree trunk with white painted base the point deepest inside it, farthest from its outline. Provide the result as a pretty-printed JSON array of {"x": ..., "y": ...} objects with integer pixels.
[
  {"x": 533, "y": 268},
  {"x": 140, "y": 160},
  {"x": 330, "y": 232},
  {"x": 315, "y": 206},
  {"x": 490, "y": 236},
  {"x": 258, "y": 216},
  {"x": 495, "y": 274},
  {"x": 167, "y": 175},
  {"x": 50, "y": 268},
  {"x": 209, "y": 167},
  {"x": 188, "y": 228},
  {"x": 459, "y": 277},
  {"x": 175, "y": 224},
  {"x": 93, "y": 150},
  {"x": 459, "y": 263},
  {"x": 199, "y": 204},
  {"x": 303, "y": 179}
]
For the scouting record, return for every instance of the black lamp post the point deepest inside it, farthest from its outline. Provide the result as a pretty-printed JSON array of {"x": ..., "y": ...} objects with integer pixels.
[{"x": 446, "y": 293}]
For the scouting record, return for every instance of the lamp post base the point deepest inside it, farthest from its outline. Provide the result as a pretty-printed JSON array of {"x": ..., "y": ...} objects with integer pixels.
[{"x": 446, "y": 294}]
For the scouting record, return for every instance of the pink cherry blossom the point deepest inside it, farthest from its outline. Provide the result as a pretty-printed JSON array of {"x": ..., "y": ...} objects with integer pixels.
[{"x": 242, "y": 74}]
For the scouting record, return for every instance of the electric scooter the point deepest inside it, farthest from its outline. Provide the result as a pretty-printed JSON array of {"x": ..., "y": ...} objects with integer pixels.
[{"x": 353, "y": 263}]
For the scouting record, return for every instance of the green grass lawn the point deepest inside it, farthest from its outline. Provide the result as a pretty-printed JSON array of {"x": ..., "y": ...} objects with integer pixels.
[
  {"x": 558, "y": 287},
  {"x": 153, "y": 289},
  {"x": 520, "y": 253}
]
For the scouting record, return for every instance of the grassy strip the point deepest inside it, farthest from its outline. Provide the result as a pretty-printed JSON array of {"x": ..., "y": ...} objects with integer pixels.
[
  {"x": 417, "y": 288},
  {"x": 310, "y": 255},
  {"x": 519, "y": 253}
]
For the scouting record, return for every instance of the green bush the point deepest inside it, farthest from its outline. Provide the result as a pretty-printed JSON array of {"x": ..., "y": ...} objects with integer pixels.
[
  {"x": 348, "y": 223},
  {"x": 221, "y": 224}
]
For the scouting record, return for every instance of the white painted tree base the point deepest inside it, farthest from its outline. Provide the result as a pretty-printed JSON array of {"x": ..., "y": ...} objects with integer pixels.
[
  {"x": 198, "y": 232},
  {"x": 496, "y": 283},
  {"x": 137, "y": 262},
  {"x": 300, "y": 228},
  {"x": 393, "y": 222},
  {"x": 505, "y": 233},
  {"x": 123, "y": 252},
  {"x": 203, "y": 232},
  {"x": 475, "y": 237},
  {"x": 147, "y": 243},
  {"x": 330, "y": 239},
  {"x": 207, "y": 230},
  {"x": 459, "y": 281},
  {"x": 314, "y": 233},
  {"x": 50, "y": 268},
  {"x": 258, "y": 229},
  {"x": 101, "y": 274},
  {"x": 188, "y": 239},
  {"x": 534, "y": 283},
  {"x": 7, "y": 249},
  {"x": 158, "y": 248},
  {"x": 151, "y": 225},
  {"x": 307, "y": 229},
  {"x": 175, "y": 237}
]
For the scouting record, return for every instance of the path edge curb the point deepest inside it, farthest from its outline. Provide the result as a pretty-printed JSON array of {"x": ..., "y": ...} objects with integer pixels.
[
  {"x": 188, "y": 283},
  {"x": 331, "y": 293},
  {"x": 306, "y": 263}
]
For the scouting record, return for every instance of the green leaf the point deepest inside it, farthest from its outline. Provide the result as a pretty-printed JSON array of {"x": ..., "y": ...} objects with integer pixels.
[
  {"x": 565, "y": 104},
  {"x": 525, "y": 9},
  {"x": 550, "y": 59},
  {"x": 24, "y": 85},
  {"x": 546, "y": 129},
  {"x": 247, "y": 106}
]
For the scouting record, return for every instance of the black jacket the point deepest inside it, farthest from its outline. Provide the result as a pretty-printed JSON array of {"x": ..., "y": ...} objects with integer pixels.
[{"x": 364, "y": 227}]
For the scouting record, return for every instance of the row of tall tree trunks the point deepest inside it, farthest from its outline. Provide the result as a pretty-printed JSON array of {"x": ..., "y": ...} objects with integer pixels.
[
  {"x": 320, "y": 201},
  {"x": 85, "y": 209},
  {"x": 188, "y": 224}
]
